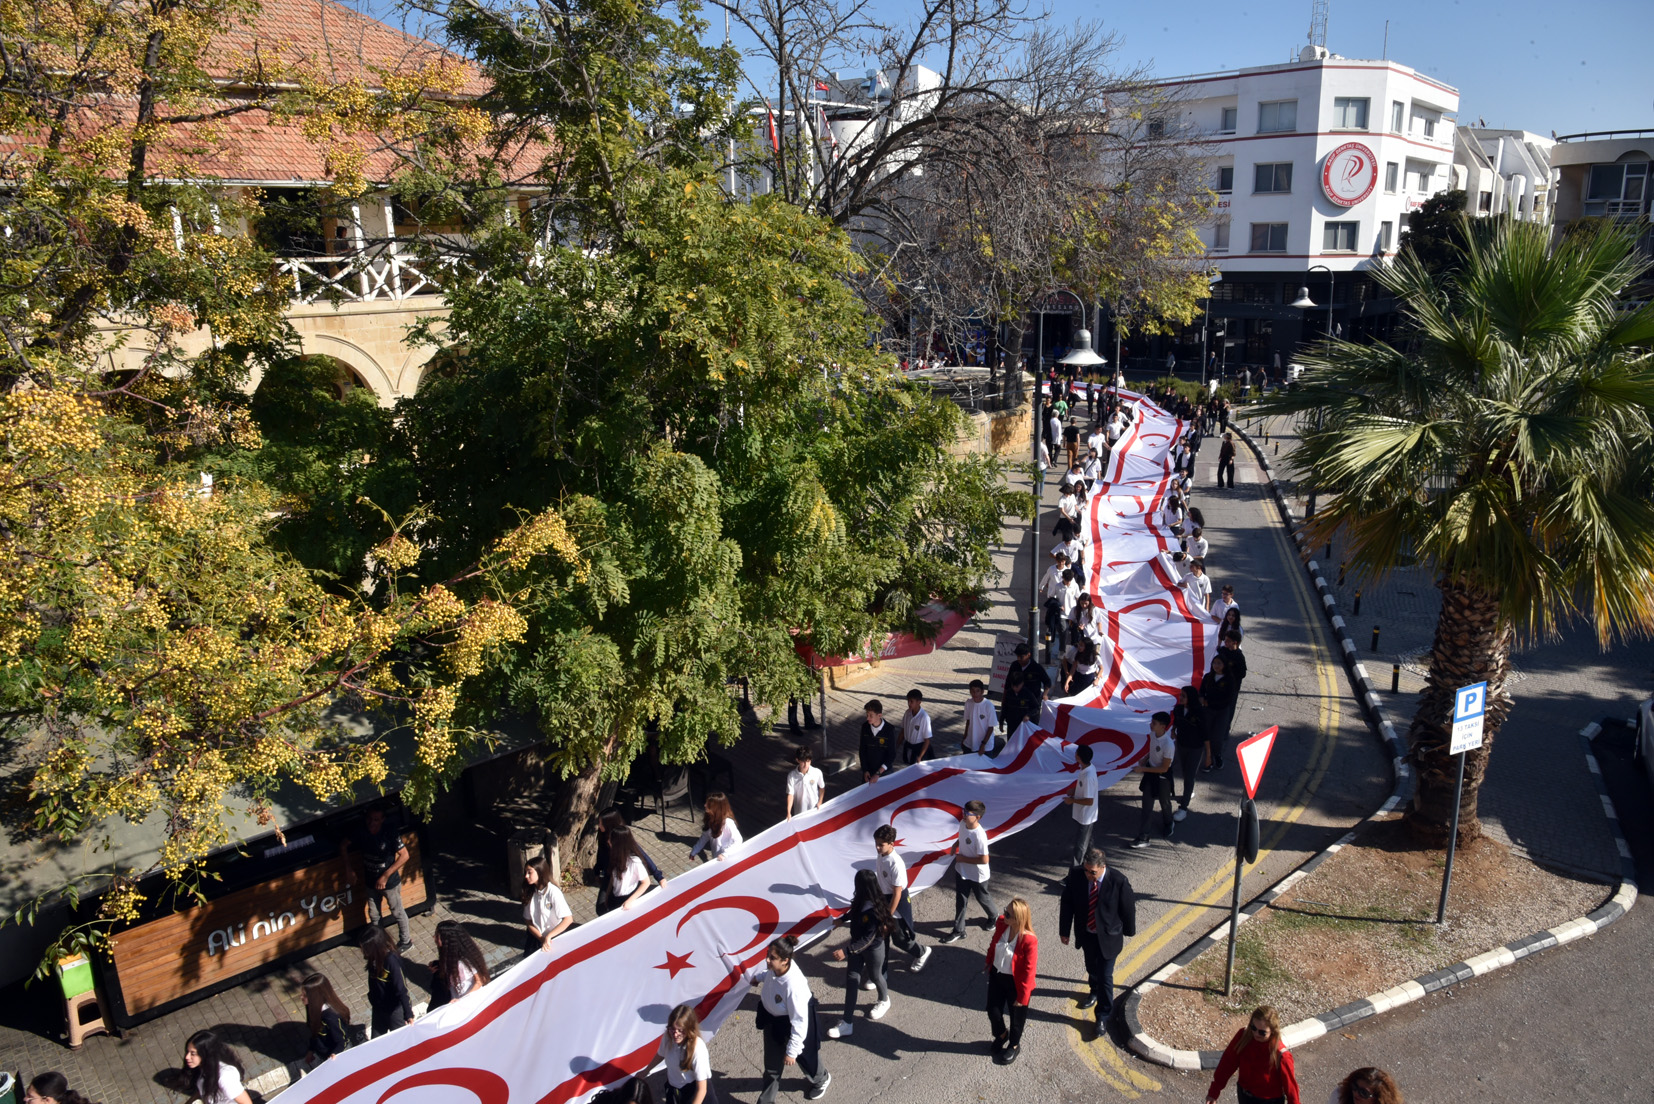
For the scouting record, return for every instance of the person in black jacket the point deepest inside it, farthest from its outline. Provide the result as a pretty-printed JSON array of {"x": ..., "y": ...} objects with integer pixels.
[
  {"x": 1234, "y": 669},
  {"x": 1190, "y": 730},
  {"x": 326, "y": 1015},
  {"x": 1100, "y": 910},
  {"x": 1019, "y": 703},
  {"x": 388, "y": 999},
  {"x": 1034, "y": 673},
  {"x": 878, "y": 743},
  {"x": 870, "y": 926}
]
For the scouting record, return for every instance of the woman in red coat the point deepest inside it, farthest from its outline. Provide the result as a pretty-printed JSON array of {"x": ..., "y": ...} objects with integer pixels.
[
  {"x": 1013, "y": 956},
  {"x": 1261, "y": 1059}
]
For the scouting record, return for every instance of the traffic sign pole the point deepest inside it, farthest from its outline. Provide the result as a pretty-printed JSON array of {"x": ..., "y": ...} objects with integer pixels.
[
  {"x": 1246, "y": 850},
  {"x": 1469, "y": 713}
]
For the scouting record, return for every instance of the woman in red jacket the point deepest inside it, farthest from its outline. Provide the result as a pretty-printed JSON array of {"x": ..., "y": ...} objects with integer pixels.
[
  {"x": 1262, "y": 1060},
  {"x": 1013, "y": 956}
]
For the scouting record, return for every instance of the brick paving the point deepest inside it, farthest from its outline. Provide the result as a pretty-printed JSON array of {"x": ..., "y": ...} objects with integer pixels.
[{"x": 1538, "y": 797}]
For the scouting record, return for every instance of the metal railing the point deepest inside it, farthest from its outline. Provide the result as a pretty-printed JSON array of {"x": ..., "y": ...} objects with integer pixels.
[
  {"x": 1587, "y": 135},
  {"x": 364, "y": 277}
]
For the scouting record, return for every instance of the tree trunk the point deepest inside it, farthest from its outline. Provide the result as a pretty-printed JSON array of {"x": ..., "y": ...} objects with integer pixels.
[
  {"x": 1472, "y": 645},
  {"x": 573, "y": 818},
  {"x": 1013, "y": 352}
]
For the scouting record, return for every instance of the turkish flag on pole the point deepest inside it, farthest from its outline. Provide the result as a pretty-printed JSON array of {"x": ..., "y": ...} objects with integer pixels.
[
  {"x": 775, "y": 139},
  {"x": 822, "y": 86}
]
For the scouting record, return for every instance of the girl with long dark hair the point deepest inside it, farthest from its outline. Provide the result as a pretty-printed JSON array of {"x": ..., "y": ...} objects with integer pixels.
[
  {"x": 545, "y": 909},
  {"x": 215, "y": 1073},
  {"x": 720, "y": 836},
  {"x": 459, "y": 966},
  {"x": 870, "y": 923},
  {"x": 388, "y": 999},
  {"x": 628, "y": 876},
  {"x": 607, "y": 821},
  {"x": 688, "y": 1064},
  {"x": 52, "y": 1088},
  {"x": 327, "y": 1017}
]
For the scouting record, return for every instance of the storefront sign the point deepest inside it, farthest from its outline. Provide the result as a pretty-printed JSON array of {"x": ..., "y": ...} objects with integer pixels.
[
  {"x": 1350, "y": 174},
  {"x": 1057, "y": 302},
  {"x": 197, "y": 948}
]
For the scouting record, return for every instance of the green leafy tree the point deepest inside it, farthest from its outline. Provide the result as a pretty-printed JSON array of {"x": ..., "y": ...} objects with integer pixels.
[
  {"x": 1435, "y": 233},
  {"x": 1509, "y": 451}
]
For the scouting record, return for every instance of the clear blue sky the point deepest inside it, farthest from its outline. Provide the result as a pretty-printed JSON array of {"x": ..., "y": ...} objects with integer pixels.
[{"x": 1537, "y": 65}]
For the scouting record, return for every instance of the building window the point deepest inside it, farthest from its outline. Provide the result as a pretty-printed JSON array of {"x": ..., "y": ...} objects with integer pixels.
[
  {"x": 1269, "y": 237},
  {"x": 1616, "y": 190},
  {"x": 1231, "y": 115},
  {"x": 1424, "y": 122},
  {"x": 1340, "y": 237},
  {"x": 1484, "y": 203},
  {"x": 1226, "y": 178},
  {"x": 1349, "y": 113},
  {"x": 1272, "y": 178},
  {"x": 1392, "y": 173},
  {"x": 1386, "y": 235},
  {"x": 1278, "y": 117},
  {"x": 1398, "y": 116},
  {"x": 1157, "y": 128},
  {"x": 1425, "y": 173},
  {"x": 1220, "y": 236}
]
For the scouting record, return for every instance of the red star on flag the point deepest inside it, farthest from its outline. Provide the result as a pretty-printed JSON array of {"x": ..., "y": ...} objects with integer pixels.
[{"x": 674, "y": 963}]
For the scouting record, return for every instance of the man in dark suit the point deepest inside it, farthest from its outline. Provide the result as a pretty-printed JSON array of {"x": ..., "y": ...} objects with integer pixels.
[
  {"x": 1100, "y": 909},
  {"x": 878, "y": 743}
]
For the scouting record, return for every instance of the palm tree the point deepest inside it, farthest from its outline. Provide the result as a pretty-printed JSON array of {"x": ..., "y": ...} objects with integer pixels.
[{"x": 1508, "y": 446}]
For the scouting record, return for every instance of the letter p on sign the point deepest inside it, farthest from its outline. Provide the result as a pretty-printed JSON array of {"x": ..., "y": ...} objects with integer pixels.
[{"x": 1469, "y": 707}]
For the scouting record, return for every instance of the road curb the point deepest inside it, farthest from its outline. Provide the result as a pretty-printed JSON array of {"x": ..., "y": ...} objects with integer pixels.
[{"x": 1624, "y": 896}]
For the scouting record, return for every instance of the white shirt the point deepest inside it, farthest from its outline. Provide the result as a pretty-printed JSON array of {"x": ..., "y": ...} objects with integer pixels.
[
  {"x": 973, "y": 844},
  {"x": 806, "y": 788},
  {"x": 787, "y": 995},
  {"x": 546, "y": 908},
  {"x": 1085, "y": 785},
  {"x": 1068, "y": 598},
  {"x": 1005, "y": 953},
  {"x": 916, "y": 727},
  {"x": 891, "y": 872},
  {"x": 1198, "y": 547},
  {"x": 467, "y": 979},
  {"x": 728, "y": 838},
  {"x": 981, "y": 718},
  {"x": 624, "y": 882},
  {"x": 1221, "y": 608},
  {"x": 1072, "y": 548},
  {"x": 700, "y": 1063},
  {"x": 229, "y": 1085},
  {"x": 1050, "y": 584},
  {"x": 1199, "y": 588},
  {"x": 1098, "y": 440},
  {"x": 1091, "y": 467},
  {"x": 1069, "y": 506},
  {"x": 1161, "y": 748}
]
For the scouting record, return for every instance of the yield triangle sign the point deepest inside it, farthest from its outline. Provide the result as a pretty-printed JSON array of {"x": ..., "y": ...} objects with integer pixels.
[{"x": 1252, "y": 753}]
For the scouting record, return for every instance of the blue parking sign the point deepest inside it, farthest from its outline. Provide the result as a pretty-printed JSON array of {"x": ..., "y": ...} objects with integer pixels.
[{"x": 1469, "y": 705}]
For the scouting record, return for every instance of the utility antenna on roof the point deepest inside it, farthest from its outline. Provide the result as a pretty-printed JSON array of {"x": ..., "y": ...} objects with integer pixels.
[{"x": 1318, "y": 22}]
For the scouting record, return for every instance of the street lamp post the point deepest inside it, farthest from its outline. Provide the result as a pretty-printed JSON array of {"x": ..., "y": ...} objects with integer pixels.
[
  {"x": 1206, "y": 327},
  {"x": 1304, "y": 302}
]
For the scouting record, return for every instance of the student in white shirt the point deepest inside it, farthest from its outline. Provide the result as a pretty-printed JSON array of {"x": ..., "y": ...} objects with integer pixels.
[
  {"x": 787, "y": 1017},
  {"x": 1198, "y": 585},
  {"x": 970, "y": 871},
  {"x": 915, "y": 729},
  {"x": 1092, "y": 467},
  {"x": 214, "y": 1071},
  {"x": 1225, "y": 603},
  {"x": 806, "y": 785},
  {"x": 688, "y": 1065},
  {"x": 892, "y": 874},
  {"x": 1097, "y": 441},
  {"x": 1197, "y": 544},
  {"x": 545, "y": 909},
  {"x": 1083, "y": 797},
  {"x": 459, "y": 966},
  {"x": 1156, "y": 784},
  {"x": 628, "y": 876},
  {"x": 981, "y": 722},
  {"x": 720, "y": 835}
]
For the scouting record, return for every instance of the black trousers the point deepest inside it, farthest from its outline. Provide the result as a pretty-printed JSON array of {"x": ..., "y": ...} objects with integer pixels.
[
  {"x": 1155, "y": 787},
  {"x": 1099, "y": 972},
  {"x": 386, "y": 1020},
  {"x": 901, "y": 933},
  {"x": 1002, "y": 1005},
  {"x": 776, "y": 1037},
  {"x": 1187, "y": 762},
  {"x": 963, "y": 890},
  {"x": 1226, "y": 466}
]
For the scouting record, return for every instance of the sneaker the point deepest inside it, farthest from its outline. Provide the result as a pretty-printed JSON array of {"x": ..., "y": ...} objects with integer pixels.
[
  {"x": 1139, "y": 843},
  {"x": 951, "y": 938},
  {"x": 816, "y": 1092},
  {"x": 1170, "y": 828},
  {"x": 919, "y": 963},
  {"x": 404, "y": 947},
  {"x": 878, "y": 1010},
  {"x": 1008, "y": 1055},
  {"x": 1209, "y": 768},
  {"x": 841, "y": 1030},
  {"x": 869, "y": 987},
  {"x": 1180, "y": 815}
]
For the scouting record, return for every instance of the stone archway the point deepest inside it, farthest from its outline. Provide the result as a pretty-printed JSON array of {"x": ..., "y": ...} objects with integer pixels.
[{"x": 354, "y": 357}]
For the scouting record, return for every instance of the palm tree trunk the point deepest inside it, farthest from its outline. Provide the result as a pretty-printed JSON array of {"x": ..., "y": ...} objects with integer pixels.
[{"x": 1472, "y": 645}]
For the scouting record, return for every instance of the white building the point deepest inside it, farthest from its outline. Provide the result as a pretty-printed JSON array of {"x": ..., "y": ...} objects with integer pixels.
[
  {"x": 1317, "y": 165},
  {"x": 1504, "y": 172}
]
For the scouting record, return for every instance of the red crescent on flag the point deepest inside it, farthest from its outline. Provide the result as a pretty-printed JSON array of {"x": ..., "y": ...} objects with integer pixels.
[
  {"x": 488, "y": 1088},
  {"x": 767, "y": 915}
]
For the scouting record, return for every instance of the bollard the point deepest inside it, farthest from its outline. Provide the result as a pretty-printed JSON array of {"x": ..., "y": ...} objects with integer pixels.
[
  {"x": 1277, "y": 448},
  {"x": 1328, "y": 555},
  {"x": 1375, "y": 638},
  {"x": 1395, "y": 677},
  {"x": 1341, "y": 566},
  {"x": 1358, "y": 603}
]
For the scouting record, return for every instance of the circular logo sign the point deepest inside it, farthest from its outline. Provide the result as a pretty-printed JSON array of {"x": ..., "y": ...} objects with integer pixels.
[{"x": 1350, "y": 174}]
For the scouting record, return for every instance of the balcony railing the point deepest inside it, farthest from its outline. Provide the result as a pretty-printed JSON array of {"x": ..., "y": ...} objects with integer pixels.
[{"x": 363, "y": 278}]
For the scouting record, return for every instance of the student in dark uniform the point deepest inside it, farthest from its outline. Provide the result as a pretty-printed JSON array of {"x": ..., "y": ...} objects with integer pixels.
[
  {"x": 327, "y": 1016},
  {"x": 383, "y": 855},
  {"x": 388, "y": 998},
  {"x": 878, "y": 743}
]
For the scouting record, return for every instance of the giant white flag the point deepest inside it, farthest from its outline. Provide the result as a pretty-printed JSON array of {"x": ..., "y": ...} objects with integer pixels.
[{"x": 589, "y": 1014}]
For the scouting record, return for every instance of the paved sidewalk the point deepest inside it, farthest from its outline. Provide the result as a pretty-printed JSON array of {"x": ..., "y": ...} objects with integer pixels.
[{"x": 1538, "y": 797}]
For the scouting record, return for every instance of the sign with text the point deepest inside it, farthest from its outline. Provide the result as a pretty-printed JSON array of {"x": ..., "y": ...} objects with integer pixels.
[{"x": 1469, "y": 710}]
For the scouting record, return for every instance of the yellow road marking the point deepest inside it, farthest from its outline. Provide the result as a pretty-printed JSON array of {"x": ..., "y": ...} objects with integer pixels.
[{"x": 1100, "y": 1055}]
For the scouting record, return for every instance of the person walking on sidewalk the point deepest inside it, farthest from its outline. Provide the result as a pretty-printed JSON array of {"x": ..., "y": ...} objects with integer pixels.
[
  {"x": 1099, "y": 908},
  {"x": 891, "y": 871},
  {"x": 383, "y": 856},
  {"x": 981, "y": 722},
  {"x": 810, "y": 721},
  {"x": 915, "y": 729},
  {"x": 1156, "y": 783},
  {"x": 970, "y": 870},
  {"x": 1193, "y": 747},
  {"x": 1021, "y": 702},
  {"x": 878, "y": 743},
  {"x": 545, "y": 910},
  {"x": 327, "y": 1017},
  {"x": 688, "y": 1064},
  {"x": 719, "y": 835},
  {"x": 1082, "y": 796},
  {"x": 787, "y": 1017},
  {"x": 1367, "y": 1085},
  {"x": 1012, "y": 961},
  {"x": 1234, "y": 677},
  {"x": 214, "y": 1072},
  {"x": 52, "y": 1088},
  {"x": 459, "y": 966},
  {"x": 1037, "y": 679},
  {"x": 870, "y": 926},
  {"x": 806, "y": 785},
  {"x": 1261, "y": 1059},
  {"x": 1226, "y": 455},
  {"x": 389, "y": 1004},
  {"x": 607, "y": 821}
]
